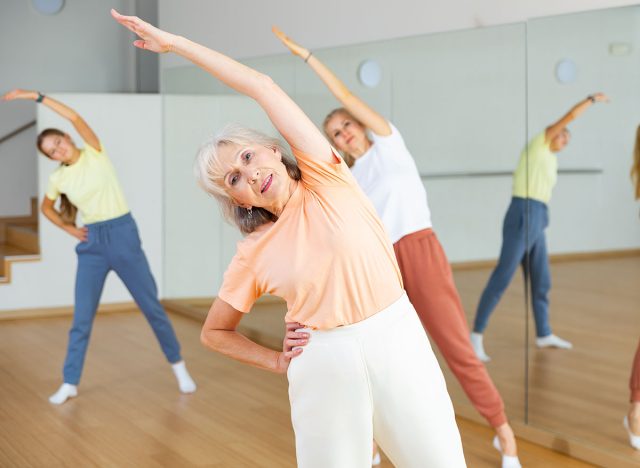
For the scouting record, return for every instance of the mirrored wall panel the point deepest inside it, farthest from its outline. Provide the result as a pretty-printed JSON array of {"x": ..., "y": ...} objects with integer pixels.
[{"x": 584, "y": 233}]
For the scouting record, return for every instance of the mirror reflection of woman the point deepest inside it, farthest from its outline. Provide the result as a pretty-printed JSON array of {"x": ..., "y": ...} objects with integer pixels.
[
  {"x": 86, "y": 181},
  {"x": 313, "y": 239},
  {"x": 533, "y": 183},
  {"x": 387, "y": 173},
  {"x": 632, "y": 420}
]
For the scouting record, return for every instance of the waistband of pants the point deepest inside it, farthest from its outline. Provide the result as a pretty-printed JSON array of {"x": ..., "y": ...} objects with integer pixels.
[
  {"x": 422, "y": 233},
  {"x": 531, "y": 201},
  {"x": 379, "y": 321},
  {"x": 124, "y": 219}
]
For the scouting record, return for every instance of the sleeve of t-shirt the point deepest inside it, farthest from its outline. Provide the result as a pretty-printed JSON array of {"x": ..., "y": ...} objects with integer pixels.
[
  {"x": 317, "y": 172},
  {"x": 52, "y": 189},
  {"x": 538, "y": 143},
  {"x": 94, "y": 151},
  {"x": 392, "y": 148},
  {"x": 239, "y": 286}
]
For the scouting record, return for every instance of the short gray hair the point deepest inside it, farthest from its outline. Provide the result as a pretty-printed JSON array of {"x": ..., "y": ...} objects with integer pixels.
[{"x": 210, "y": 174}]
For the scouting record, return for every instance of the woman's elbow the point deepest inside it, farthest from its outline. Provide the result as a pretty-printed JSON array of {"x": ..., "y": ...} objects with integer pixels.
[
  {"x": 209, "y": 338},
  {"x": 265, "y": 86}
]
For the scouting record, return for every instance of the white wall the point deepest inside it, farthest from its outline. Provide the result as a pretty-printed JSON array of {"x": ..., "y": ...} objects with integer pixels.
[
  {"x": 81, "y": 49},
  {"x": 130, "y": 128},
  {"x": 198, "y": 243},
  {"x": 18, "y": 178},
  {"x": 590, "y": 211},
  {"x": 242, "y": 28}
]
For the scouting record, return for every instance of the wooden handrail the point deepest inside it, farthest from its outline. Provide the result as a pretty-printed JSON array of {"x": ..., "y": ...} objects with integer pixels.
[{"x": 17, "y": 131}]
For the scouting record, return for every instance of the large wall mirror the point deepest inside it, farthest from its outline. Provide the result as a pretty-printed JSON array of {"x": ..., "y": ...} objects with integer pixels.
[{"x": 593, "y": 236}]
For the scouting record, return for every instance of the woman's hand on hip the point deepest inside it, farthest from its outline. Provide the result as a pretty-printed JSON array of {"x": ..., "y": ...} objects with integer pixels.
[
  {"x": 20, "y": 94},
  {"x": 151, "y": 38},
  {"x": 291, "y": 345},
  {"x": 79, "y": 233}
]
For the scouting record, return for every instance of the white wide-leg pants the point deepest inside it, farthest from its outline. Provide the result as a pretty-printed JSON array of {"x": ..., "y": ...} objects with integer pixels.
[{"x": 376, "y": 378}]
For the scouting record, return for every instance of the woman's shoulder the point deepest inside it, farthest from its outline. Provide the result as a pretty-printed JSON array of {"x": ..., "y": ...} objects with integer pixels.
[{"x": 251, "y": 240}]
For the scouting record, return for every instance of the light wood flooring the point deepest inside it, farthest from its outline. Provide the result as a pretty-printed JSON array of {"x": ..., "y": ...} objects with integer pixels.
[{"x": 129, "y": 412}]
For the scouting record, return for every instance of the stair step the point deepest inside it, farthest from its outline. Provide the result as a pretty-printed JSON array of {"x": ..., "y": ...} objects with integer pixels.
[
  {"x": 10, "y": 254},
  {"x": 23, "y": 237},
  {"x": 9, "y": 250}
]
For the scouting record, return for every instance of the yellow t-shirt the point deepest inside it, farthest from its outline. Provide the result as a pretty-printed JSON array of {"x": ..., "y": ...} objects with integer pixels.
[
  {"x": 542, "y": 168},
  {"x": 90, "y": 184},
  {"x": 327, "y": 256}
]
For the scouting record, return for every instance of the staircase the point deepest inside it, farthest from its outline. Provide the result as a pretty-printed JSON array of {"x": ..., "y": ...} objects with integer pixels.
[{"x": 18, "y": 241}]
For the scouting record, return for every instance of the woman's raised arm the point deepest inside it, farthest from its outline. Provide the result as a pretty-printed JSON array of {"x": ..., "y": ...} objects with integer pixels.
[
  {"x": 554, "y": 129},
  {"x": 81, "y": 126},
  {"x": 285, "y": 114},
  {"x": 356, "y": 106}
]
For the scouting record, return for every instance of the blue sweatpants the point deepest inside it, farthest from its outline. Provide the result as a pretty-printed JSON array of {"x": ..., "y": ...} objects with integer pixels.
[
  {"x": 114, "y": 245},
  {"x": 513, "y": 253}
]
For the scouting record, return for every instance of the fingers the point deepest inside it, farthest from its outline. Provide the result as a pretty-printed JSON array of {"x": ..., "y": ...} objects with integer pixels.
[
  {"x": 132, "y": 23},
  {"x": 292, "y": 343},
  {"x": 278, "y": 32},
  {"x": 140, "y": 44},
  {"x": 291, "y": 354},
  {"x": 293, "y": 325},
  {"x": 294, "y": 335},
  {"x": 10, "y": 95}
]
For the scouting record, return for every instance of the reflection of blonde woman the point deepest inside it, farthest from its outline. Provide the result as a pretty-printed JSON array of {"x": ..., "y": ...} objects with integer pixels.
[
  {"x": 387, "y": 173},
  {"x": 632, "y": 421},
  {"x": 313, "y": 239}
]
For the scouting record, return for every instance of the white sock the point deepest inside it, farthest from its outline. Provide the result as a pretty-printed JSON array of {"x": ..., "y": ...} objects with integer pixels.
[
  {"x": 185, "y": 382},
  {"x": 65, "y": 392},
  {"x": 508, "y": 461},
  {"x": 634, "y": 440},
  {"x": 553, "y": 341},
  {"x": 478, "y": 347},
  {"x": 376, "y": 460}
]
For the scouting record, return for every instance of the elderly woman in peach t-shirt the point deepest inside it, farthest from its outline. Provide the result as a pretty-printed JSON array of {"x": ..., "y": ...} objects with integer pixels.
[{"x": 313, "y": 239}]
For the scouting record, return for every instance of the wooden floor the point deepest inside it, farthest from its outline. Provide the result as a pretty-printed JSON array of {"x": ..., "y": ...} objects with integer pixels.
[
  {"x": 582, "y": 393},
  {"x": 129, "y": 412},
  {"x": 585, "y": 391}
]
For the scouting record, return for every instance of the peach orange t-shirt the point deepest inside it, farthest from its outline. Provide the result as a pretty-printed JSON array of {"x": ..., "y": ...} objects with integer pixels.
[{"x": 328, "y": 255}]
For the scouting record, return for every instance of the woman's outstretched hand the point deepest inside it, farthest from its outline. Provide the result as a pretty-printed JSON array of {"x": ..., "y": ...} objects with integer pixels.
[
  {"x": 291, "y": 345},
  {"x": 151, "y": 38},
  {"x": 600, "y": 97},
  {"x": 20, "y": 94},
  {"x": 291, "y": 45}
]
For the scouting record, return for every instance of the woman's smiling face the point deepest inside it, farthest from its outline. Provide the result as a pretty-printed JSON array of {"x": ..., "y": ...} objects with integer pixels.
[{"x": 254, "y": 176}]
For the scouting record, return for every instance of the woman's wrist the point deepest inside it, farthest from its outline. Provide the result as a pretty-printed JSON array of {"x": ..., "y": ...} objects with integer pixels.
[
  {"x": 178, "y": 45},
  {"x": 307, "y": 55}
]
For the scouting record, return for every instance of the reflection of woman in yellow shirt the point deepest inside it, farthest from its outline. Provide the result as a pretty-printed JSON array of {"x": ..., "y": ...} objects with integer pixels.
[
  {"x": 533, "y": 182},
  {"x": 86, "y": 181},
  {"x": 632, "y": 420}
]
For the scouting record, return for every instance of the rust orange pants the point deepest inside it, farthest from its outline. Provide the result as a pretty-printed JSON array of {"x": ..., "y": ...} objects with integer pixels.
[
  {"x": 634, "y": 382},
  {"x": 429, "y": 284}
]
